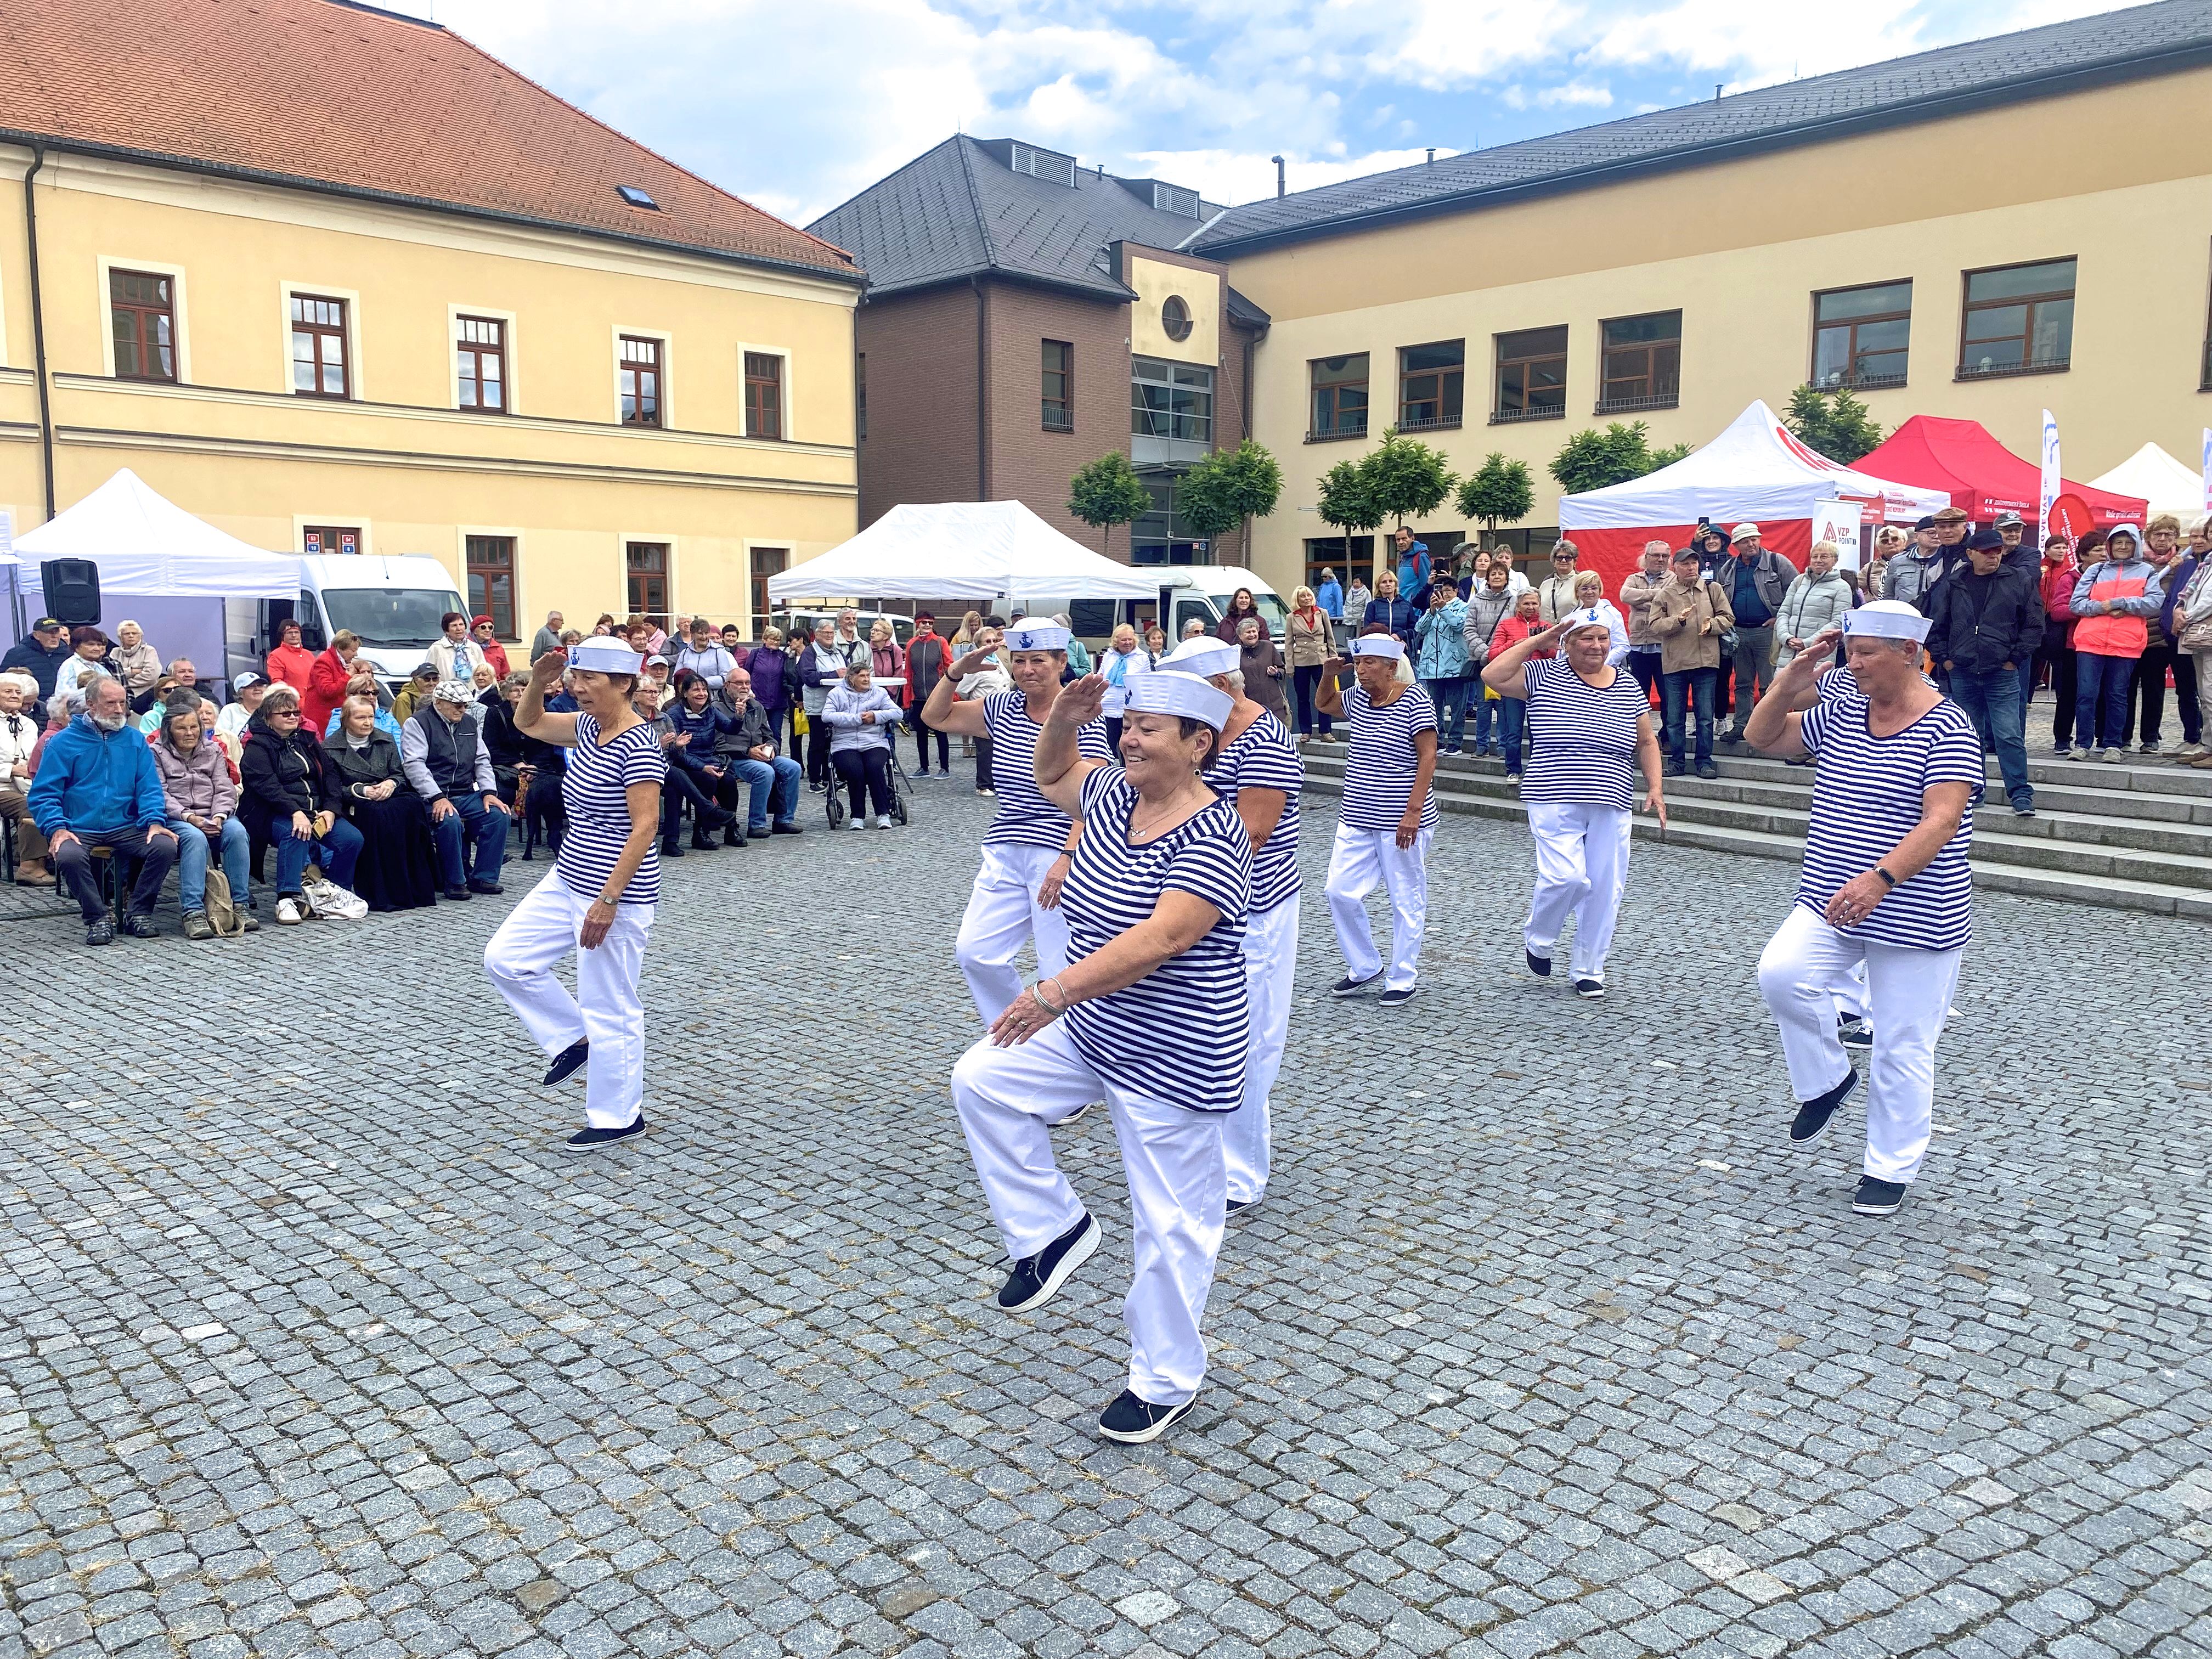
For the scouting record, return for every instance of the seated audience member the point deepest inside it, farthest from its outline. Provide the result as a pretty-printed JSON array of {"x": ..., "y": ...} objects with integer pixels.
[
  {"x": 133, "y": 661},
  {"x": 702, "y": 655},
  {"x": 230, "y": 724},
  {"x": 286, "y": 787},
  {"x": 19, "y": 741},
  {"x": 88, "y": 657},
  {"x": 496, "y": 706},
  {"x": 290, "y": 663},
  {"x": 696, "y": 775},
  {"x": 860, "y": 714},
  {"x": 443, "y": 750},
  {"x": 398, "y": 865},
  {"x": 481, "y": 631},
  {"x": 415, "y": 694},
  {"x": 364, "y": 683},
  {"x": 745, "y": 741},
  {"x": 61, "y": 710},
  {"x": 96, "y": 786},
  {"x": 202, "y": 804},
  {"x": 180, "y": 673}
]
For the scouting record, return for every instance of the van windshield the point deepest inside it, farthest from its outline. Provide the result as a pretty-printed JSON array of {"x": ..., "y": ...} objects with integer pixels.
[
  {"x": 389, "y": 618},
  {"x": 1272, "y": 611}
]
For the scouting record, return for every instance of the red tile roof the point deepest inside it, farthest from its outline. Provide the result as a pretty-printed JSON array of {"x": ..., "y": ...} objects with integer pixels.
[{"x": 324, "y": 93}]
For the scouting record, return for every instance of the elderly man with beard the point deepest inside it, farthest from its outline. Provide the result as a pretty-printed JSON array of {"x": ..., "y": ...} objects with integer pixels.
[
  {"x": 745, "y": 741},
  {"x": 97, "y": 787}
]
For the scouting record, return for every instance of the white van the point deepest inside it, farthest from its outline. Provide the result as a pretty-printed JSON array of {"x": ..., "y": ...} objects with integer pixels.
[
  {"x": 1198, "y": 593},
  {"x": 393, "y": 604}
]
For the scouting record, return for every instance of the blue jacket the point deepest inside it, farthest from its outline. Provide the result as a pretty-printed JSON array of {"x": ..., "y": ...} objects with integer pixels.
[
  {"x": 2176, "y": 575},
  {"x": 1413, "y": 567},
  {"x": 1443, "y": 631},
  {"x": 1329, "y": 596},
  {"x": 1396, "y": 615},
  {"x": 696, "y": 750},
  {"x": 93, "y": 781}
]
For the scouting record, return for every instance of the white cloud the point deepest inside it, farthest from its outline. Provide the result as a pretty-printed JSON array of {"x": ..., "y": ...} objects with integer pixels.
[{"x": 1572, "y": 95}]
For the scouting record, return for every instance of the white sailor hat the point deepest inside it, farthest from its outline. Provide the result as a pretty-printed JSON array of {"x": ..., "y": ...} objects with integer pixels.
[
  {"x": 1204, "y": 657},
  {"x": 1574, "y": 621},
  {"x": 1378, "y": 645},
  {"x": 1037, "y": 636},
  {"x": 1886, "y": 619},
  {"x": 602, "y": 653},
  {"x": 1162, "y": 692}
]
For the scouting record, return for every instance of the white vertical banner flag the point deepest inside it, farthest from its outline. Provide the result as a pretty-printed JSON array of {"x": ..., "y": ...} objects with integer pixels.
[
  {"x": 2208, "y": 469},
  {"x": 2051, "y": 483}
]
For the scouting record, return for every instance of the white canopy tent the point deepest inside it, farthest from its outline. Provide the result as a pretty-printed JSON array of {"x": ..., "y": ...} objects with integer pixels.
[
  {"x": 978, "y": 551},
  {"x": 2167, "y": 484}
]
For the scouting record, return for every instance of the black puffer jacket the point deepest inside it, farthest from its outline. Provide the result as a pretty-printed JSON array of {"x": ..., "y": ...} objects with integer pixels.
[
  {"x": 1979, "y": 623},
  {"x": 279, "y": 776}
]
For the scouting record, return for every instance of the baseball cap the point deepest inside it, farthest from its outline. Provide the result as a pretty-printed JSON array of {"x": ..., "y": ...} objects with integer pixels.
[
  {"x": 2009, "y": 521},
  {"x": 1926, "y": 524},
  {"x": 1986, "y": 541},
  {"x": 249, "y": 677},
  {"x": 46, "y": 625}
]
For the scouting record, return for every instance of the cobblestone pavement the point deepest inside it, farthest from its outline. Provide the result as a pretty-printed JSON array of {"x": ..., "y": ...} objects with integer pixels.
[{"x": 1543, "y": 1342}]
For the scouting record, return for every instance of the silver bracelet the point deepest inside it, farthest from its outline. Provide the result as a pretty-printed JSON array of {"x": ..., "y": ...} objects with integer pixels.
[{"x": 1038, "y": 991}]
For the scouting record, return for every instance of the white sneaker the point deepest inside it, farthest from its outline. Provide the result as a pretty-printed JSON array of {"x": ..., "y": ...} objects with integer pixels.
[
  {"x": 883, "y": 822},
  {"x": 858, "y": 822},
  {"x": 2114, "y": 756},
  {"x": 289, "y": 912}
]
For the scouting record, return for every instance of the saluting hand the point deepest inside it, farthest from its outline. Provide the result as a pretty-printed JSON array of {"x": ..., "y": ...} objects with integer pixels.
[{"x": 1080, "y": 701}]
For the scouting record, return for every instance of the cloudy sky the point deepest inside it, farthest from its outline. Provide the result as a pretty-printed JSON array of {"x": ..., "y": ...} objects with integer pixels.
[{"x": 799, "y": 106}]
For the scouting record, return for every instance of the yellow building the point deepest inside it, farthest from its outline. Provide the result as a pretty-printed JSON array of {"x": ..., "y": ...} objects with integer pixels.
[
  {"x": 1983, "y": 232},
  {"x": 337, "y": 281}
]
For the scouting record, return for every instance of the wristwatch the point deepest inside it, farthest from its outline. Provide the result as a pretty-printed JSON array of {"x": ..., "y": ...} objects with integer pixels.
[
  {"x": 611, "y": 903},
  {"x": 1888, "y": 880}
]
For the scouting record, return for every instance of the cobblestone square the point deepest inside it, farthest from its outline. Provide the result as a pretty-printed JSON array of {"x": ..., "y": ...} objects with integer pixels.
[{"x": 1542, "y": 1342}]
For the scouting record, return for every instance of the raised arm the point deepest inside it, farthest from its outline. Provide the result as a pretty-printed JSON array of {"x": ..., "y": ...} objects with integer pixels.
[
  {"x": 1501, "y": 673},
  {"x": 1060, "y": 764},
  {"x": 1328, "y": 696},
  {"x": 531, "y": 718},
  {"x": 1777, "y": 724},
  {"x": 943, "y": 711}
]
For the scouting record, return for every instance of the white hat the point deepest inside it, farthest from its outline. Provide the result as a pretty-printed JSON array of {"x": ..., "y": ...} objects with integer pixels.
[
  {"x": 1203, "y": 656},
  {"x": 602, "y": 653},
  {"x": 1177, "y": 693},
  {"x": 249, "y": 677},
  {"x": 1378, "y": 645},
  {"x": 1037, "y": 636},
  {"x": 455, "y": 691},
  {"x": 1743, "y": 531},
  {"x": 1886, "y": 619},
  {"x": 1574, "y": 621}
]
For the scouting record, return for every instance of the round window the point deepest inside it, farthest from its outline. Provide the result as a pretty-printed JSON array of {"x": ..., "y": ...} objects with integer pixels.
[{"x": 1174, "y": 317}]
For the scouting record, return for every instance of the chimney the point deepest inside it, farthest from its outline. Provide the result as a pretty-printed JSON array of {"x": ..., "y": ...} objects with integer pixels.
[
  {"x": 1716, "y": 91},
  {"x": 1278, "y": 161},
  {"x": 1432, "y": 156}
]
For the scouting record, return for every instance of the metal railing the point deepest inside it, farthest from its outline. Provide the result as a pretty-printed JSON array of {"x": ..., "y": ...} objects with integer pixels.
[
  {"x": 1635, "y": 406},
  {"x": 1534, "y": 412},
  {"x": 2000, "y": 371},
  {"x": 1344, "y": 429}
]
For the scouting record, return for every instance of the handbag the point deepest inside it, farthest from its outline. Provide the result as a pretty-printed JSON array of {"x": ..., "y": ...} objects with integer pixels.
[
  {"x": 1727, "y": 634},
  {"x": 800, "y": 726},
  {"x": 220, "y": 907},
  {"x": 328, "y": 902}
]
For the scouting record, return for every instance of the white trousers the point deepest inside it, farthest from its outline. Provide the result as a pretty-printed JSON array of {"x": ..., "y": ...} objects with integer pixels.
[
  {"x": 1003, "y": 915},
  {"x": 1851, "y": 993},
  {"x": 1007, "y": 1098},
  {"x": 1360, "y": 861},
  {"x": 520, "y": 958},
  {"x": 1271, "y": 969},
  {"x": 1582, "y": 869},
  {"x": 1908, "y": 993}
]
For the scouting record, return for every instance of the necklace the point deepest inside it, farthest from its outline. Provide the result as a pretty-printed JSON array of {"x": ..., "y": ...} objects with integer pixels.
[{"x": 1167, "y": 809}]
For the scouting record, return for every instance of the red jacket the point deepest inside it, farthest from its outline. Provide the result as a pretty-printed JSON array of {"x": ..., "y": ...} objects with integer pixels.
[
  {"x": 326, "y": 684},
  {"x": 1514, "y": 630},
  {"x": 2058, "y": 582},
  {"x": 291, "y": 665},
  {"x": 495, "y": 654}
]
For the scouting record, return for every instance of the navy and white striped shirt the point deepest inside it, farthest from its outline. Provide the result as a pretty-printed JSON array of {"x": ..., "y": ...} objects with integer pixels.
[
  {"x": 1261, "y": 757},
  {"x": 1178, "y": 1034},
  {"x": 594, "y": 787},
  {"x": 1867, "y": 797},
  {"x": 1025, "y": 816},
  {"x": 1589, "y": 753},
  {"x": 1380, "y": 758}
]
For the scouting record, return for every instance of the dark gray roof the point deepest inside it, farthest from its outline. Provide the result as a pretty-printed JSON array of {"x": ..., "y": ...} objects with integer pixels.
[
  {"x": 959, "y": 211},
  {"x": 2118, "y": 45}
]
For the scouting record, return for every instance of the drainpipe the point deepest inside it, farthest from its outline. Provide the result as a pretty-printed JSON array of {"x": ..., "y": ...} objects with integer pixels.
[
  {"x": 38, "y": 328},
  {"x": 983, "y": 391}
]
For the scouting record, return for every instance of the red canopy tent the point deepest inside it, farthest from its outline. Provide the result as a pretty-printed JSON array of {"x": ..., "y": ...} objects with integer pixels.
[{"x": 1982, "y": 478}]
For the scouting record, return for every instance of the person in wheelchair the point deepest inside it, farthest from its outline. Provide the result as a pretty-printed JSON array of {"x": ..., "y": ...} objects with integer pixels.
[{"x": 860, "y": 714}]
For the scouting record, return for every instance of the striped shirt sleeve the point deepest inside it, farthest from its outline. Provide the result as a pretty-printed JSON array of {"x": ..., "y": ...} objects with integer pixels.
[{"x": 1208, "y": 869}]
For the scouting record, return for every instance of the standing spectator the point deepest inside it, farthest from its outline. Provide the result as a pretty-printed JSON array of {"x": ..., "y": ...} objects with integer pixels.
[
  {"x": 2192, "y": 628},
  {"x": 1441, "y": 663},
  {"x": 1911, "y": 571},
  {"x": 1388, "y": 612},
  {"x": 1412, "y": 570},
  {"x": 1985, "y": 620},
  {"x": 822, "y": 668},
  {"x": 1512, "y": 711},
  {"x": 927, "y": 656},
  {"x": 1889, "y": 541},
  {"x": 1590, "y": 595},
  {"x": 1329, "y": 596},
  {"x": 1078, "y": 654},
  {"x": 849, "y": 634},
  {"x": 453, "y": 654},
  {"x": 2173, "y": 568},
  {"x": 604, "y": 628},
  {"x": 202, "y": 804},
  {"x": 1490, "y": 604},
  {"x": 1357, "y": 598},
  {"x": 1156, "y": 644},
  {"x": 744, "y": 741},
  {"x": 773, "y": 672},
  {"x": 963, "y": 637},
  {"x": 398, "y": 865},
  {"x": 1755, "y": 580},
  {"x": 97, "y": 787},
  {"x": 1241, "y": 605},
  {"x": 886, "y": 658},
  {"x": 2054, "y": 654},
  {"x": 1555, "y": 598},
  {"x": 1815, "y": 600},
  {"x": 703, "y": 654},
  {"x": 2114, "y": 601},
  {"x": 136, "y": 663},
  {"x": 1264, "y": 673},
  {"x": 487, "y": 641},
  {"x": 289, "y": 663},
  {"x": 41, "y": 655},
  {"x": 1689, "y": 616},
  {"x": 328, "y": 678},
  {"x": 19, "y": 740},
  {"x": 442, "y": 750},
  {"x": 860, "y": 714},
  {"x": 547, "y": 638},
  {"x": 88, "y": 660},
  {"x": 1311, "y": 634},
  {"x": 987, "y": 678},
  {"x": 1637, "y": 593},
  {"x": 1122, "y": 658}
]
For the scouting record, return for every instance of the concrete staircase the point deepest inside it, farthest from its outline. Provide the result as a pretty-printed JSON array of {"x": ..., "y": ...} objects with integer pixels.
[{"x": 2127, "y": 837}]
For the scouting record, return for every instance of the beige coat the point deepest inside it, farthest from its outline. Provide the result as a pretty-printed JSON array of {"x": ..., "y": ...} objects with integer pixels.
[
  {"x": 1308, "y": 646},
  {"x": 1689, "y": 623}
]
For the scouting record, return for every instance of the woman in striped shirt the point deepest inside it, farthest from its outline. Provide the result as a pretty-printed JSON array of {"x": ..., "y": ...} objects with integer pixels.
[
  {"x": 1885, "y": 883},
  {"x": 599, "y": 898},
  {"x": 1149, "y": 1014},
  {"x": 1579, "y": 790}
]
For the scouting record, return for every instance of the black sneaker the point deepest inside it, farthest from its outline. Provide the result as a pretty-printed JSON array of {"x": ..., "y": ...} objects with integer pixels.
[
  {"x": 669, "y": 850},
  {"x": 1349, "y": 986},
  {"x": 1035, "y": 1279},
  {"x": 1539, "y": 966},
  {"x": 1397, "y": 998},
  {"x": 102, "y": 932},
  {"x": 1133, "y": 1421},
  {"x": 786, "y": 830},
  {"x": 1237, "y": 1207},
  {"x": 1854, "y": 1033},
  {"x": 1877, "y": 1197},
  {"x": 569, "y": 1060},
  {"x": 140, "y": 926},
  {"x": 1673, "y": 769},
  {"x": 1591, "y": 988},
  {"x": 1708, "y": 771},
  {"x": 593, "y": 1140},
  {"x": 1813, "y": 1116},
  {"x": 489, "y": 889}
]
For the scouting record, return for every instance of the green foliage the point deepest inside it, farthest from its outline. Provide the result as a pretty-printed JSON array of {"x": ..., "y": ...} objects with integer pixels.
[
  {"x": 1832, "y": 424},
  {"x": 1227, "y": 487},
  {"x": 1592, "y": 459},
  {"x": 1499, "y": 492},
  {"x": 1108, "y": 492},
  {"x": 1406, "y": 478},
  {"x": 1346, "y": 499}
]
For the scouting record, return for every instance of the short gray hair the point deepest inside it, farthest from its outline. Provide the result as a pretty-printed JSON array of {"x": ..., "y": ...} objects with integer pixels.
[
  {"x": 176, "y": 663},
  {"x": 89, "y": 686},
  {"x": 1236, "y": 678},
  {"x": 1658, "y": 547}
]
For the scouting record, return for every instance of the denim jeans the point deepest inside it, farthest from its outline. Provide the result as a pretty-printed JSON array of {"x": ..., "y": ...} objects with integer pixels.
[
  {"x": 1991, "y": 700},
  {"x": 1485, "y": 716},
  {"x": 773, "y": 787},
  {"x": 192, "y": 850},
  {"x": 337, "y": 853},
  {"x": 1450, "y": 697},
  {"x": 1512, "y": 720},
  {"x": 1698, "y": 688},
  {"x": 1644, "y": 665},
  {"x": 486, "y": 831},
  {"x": 1754, "y": 670},
  {"x": 1304, "y": 683},
  {"x": 2100, "y": 699}
]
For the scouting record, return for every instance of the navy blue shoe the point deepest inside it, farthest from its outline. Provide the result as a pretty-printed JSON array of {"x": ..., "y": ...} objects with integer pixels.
[
  {"x": 567, "y": 1061},
  {"x": 1813, "y": 1116}
]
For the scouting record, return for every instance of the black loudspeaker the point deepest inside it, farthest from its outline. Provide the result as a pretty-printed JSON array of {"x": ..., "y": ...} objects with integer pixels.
[{"x": 72, "y": 590}]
